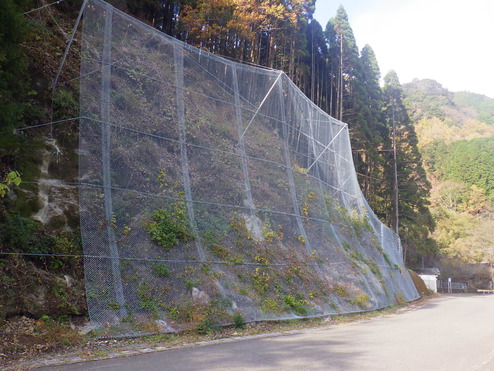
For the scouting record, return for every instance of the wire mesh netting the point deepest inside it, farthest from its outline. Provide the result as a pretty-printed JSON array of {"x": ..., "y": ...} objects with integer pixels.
[{"x": 211, "y": 189}]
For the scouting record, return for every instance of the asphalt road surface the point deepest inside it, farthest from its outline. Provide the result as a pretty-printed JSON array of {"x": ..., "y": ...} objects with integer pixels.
[{"x": 447, "y": 333}]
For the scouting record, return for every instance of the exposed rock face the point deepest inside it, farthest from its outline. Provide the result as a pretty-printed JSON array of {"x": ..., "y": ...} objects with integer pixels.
[
  {"x": 59, "y": 205},
  {"x": 253, "y": 223},
  {"x": 164, "y": 326},
  {"x": 200, "y": 297}
]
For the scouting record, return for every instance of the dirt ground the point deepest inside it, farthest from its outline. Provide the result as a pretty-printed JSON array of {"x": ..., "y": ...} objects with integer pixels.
[
  {"x": 27, "y": 343},
  {"x": 23, "y": 338}
]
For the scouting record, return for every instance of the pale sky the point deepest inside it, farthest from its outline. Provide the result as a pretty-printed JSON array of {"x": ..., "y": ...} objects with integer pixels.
[{"x": 450, "y": 41}]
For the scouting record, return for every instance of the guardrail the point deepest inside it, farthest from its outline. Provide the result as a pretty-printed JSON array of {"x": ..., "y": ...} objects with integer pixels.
[{"x": 451, "y": 287}]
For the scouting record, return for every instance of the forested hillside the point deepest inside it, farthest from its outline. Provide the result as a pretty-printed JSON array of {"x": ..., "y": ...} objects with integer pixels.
[
  {"x": 456, "y": 138},
  {"x": 483, "y": 106},
  {"x": 326, "y": 63}
]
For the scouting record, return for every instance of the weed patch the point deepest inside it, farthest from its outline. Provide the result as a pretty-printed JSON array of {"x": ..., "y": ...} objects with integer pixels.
[{"x": 169, "y": 227}]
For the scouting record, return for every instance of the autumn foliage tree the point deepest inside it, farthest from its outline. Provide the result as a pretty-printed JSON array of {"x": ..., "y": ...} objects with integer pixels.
[{"x": 260, "y": 32}]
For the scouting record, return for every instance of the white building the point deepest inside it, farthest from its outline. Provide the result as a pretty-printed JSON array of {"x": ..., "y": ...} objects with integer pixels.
[{"x": 429, "y": 276}]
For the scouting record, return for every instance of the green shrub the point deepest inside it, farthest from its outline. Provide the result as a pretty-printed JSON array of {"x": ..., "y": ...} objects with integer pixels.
[
  {"x": 146, "y": 299},
  {"x": 162, "y": 270},
  {"x": 52, "y": 249},
  {"x": 298, "y": 306},
  {"x": 261, "y": 280},
  {"x": 347, "y": 246},
  {"x": 238, "y": 320},
  {"x": 12, "y": 177},
  {"x": 208, "y": 326},
  {"x": 64, "y": 103},
  {"x": 374, "y": 268},
  {"x": 360, "y": 300},
  {"x": 360, "y": 223},
  {"x": 220, "y": 251},
  {"x": 271, "y": 305},
  {"x": 169, "y": 228},
  {"x": 191, "y": 283},
  {"x": 209, "y": 237},
  {"x": 340, "y": 290},
  {"x": 25, "y": 235},
  {"x": 206, "y": 268},
  {"x": 387, "y": 259}
]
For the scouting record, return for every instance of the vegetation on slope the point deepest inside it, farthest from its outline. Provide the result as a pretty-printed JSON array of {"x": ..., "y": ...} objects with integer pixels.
[
  {"x": 457, "y": 148},
  {"x": 482, "y": 105},
  {"x": 470, "y": 162},
  {"x": 30, "y": 50},
  {"x": 286, "y": 266},
  {"x": 32, "y": 46}
]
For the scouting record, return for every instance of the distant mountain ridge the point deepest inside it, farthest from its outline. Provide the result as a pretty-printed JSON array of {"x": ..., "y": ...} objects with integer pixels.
[
  {"x": 444, "y": 116},
  {"x": 482, "y": 105},
  {"x": 453, "y": 128},
  {"x": 427, "y": 99},
  {"x": 456, "y": 140}
]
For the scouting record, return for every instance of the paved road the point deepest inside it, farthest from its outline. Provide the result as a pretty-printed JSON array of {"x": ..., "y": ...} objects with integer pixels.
[{"x": 447, "y": 333}]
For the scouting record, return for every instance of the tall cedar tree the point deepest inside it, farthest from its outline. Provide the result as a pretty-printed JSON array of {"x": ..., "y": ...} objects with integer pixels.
[
  {"x": 349, "y": 73},
  {"x": 373, "y": 161},
  {"x": 317, "y": 58},
  {"x": 333, "y": 68},
  {"x": 415, "y": 220},
  {"x": 162, "y": 14},
  {"x": 357, "y": 99},
  {"x": 349, "y": 85}
]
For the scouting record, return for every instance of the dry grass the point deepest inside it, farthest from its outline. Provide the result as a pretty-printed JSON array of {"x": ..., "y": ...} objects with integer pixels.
[
  {"x": 419, "y": 284},
  {"x": 28, "y": 343}
]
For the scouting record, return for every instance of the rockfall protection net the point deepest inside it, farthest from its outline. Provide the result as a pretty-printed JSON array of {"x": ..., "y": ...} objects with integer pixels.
[{"x": 211, "y": 188}]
